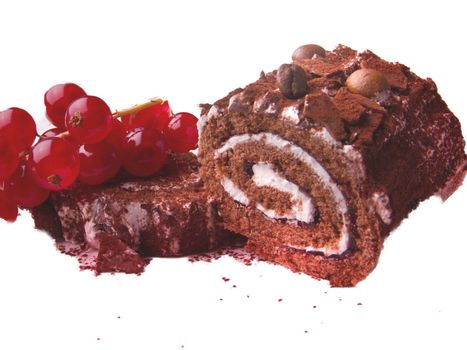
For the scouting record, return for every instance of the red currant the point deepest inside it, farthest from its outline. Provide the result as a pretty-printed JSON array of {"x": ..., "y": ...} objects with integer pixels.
[
  {"x": 26, "y": 192},
  {"x": 53, "y": 163},
  {"x": 18, "y": 128},
  {"x": 58, "y": 98},
  {"x": 182, "y": 132},
  {"x": 144, "y": 152},
  {"x": 8, "y": 208},
  {"x": 117, "y": 135},
  {"x": 156, "y": 116},
  {"x": 88, "y": 119},
  {"x": 99, "y": 163},
  {"x": 8, "y": 159}
]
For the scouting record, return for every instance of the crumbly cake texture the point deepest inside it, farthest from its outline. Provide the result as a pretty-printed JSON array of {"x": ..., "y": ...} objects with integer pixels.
[
  {"x": 114, "y": 227},
  {"x": 317, "y": 182}
]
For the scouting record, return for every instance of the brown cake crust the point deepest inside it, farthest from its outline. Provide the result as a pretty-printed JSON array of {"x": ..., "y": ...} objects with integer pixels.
[
  {"x": 166, "y": 215},
  {"x": 385, "y": 154}
]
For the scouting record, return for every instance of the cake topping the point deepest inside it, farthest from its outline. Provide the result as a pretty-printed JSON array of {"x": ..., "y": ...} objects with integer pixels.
[
  {"x": 326, "y": 85},
  {"x": 292, "y": 81},
  {"x": 332, "y": 64},
  {"x": 367, "y": 82},
  {"x": 267, "y": 103},
  {"x": 307, "y": 52},
  {"x": 238, "y": 103},
  {"x": 391, "y": 71},
  {"x": 320, "y": 108}
]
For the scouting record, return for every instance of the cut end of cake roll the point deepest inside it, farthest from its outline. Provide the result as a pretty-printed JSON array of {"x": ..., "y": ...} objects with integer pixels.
[
  {"x": 318, "y": 161},
  {"x": 128, "y": 219}
]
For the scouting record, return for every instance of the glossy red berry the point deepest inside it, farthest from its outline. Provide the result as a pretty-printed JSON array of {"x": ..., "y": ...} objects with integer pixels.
[
  {"x": 144, "y": 152},
  {"x": 18, "y": 128},
  {"x": 8, "y": 207},
  {"x": 99, "y": 163},
  {"x": 88, "y": 119},
  {"x": 117, "y": 136},
  {"x": 8, "y": 159},
  {"x": 156, "y": 116},
  {"x": 163, "y": 114},
  {"x": 182, "y": 132},
  {"x": 53, "y": 163},
  {"x": 58, "y": 98},
  {"x": 26, "y": 192}
]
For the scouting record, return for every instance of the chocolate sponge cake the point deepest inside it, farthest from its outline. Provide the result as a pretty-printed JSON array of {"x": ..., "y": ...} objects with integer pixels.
[
  {"x": 121, "y": 222},
  {"x": 318, "y": 161}
]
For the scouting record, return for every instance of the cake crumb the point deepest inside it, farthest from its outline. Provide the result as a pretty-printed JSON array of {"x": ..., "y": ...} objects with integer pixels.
[
  {"x": 279, "y": 300},
  {"x": 359, "y": 304},
  {"x": 225, "y": 279}
]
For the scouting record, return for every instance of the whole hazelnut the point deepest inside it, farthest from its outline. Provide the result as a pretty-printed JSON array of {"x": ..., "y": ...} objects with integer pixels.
[
  {"x": 366, "y": 82},
  {"x": 308, "y": 52}
]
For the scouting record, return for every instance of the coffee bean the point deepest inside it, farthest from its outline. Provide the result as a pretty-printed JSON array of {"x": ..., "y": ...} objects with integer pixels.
[
  {"x": 292, "y": 81},
  {"x": 366, "y": 82},
  {"x": 308, "y": 52}
]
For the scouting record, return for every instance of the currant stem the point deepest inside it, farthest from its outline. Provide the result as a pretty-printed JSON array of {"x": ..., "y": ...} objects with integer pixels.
[
  {"x": 137, "y": 108},
  {"x": 127, "y": 111}
]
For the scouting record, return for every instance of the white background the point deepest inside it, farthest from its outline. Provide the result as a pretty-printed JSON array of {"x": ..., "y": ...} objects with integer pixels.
[{"x": 192, "y": 52}]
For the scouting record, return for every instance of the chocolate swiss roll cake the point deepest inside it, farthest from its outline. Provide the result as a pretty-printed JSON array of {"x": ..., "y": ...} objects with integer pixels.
[
  {"x": 318, "y": 161},
  {"x": 127, "y": 219}
]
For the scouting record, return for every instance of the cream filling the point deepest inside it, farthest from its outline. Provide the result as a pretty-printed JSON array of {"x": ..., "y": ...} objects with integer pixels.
[
  {"x": 302, "y": 208},
  {"x": 203, "y": 121},
  {"x": 291, "y": 114},
  {"x": 298, "y": 153}
]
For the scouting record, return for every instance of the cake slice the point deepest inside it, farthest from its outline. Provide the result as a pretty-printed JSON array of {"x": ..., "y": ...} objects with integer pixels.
[
  {"x": 113, "y": 227},
  {"x": 318, "y": 161}
]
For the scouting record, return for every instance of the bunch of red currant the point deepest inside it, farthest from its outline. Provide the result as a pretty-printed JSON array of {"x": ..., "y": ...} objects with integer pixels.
[{"x": 88, "y": 144}]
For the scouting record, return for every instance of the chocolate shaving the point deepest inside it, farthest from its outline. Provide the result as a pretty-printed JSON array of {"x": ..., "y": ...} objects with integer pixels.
[
  {"x": 330, "y": 65},
  {"x": 362, "y": 133},
  {"x": 329, "y": 86},
  {"x": 352, "y": 106},
  {"x": 392, "y": 71},
  {"x": 320, "y": 108},
  {"x": 350, "y": 109}
]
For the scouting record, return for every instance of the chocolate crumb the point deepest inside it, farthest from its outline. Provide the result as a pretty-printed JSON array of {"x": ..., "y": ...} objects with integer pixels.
[
  {"x": 359, "y": 304},
  {"x": 225, "y": 279},
  {"x": 279, "y": 300}
]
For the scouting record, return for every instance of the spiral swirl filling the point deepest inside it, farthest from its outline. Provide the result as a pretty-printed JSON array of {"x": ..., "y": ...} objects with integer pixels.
[{"x": 281, "y": 181}]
